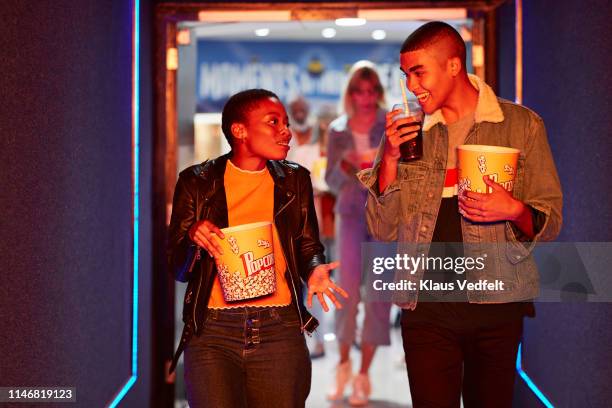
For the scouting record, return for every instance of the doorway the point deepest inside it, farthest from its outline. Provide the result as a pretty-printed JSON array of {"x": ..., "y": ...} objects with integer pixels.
[{"x": 187, "y": 113}]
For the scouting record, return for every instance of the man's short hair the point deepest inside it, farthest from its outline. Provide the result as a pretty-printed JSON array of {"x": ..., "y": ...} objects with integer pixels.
[
  {"x": 435, "y": 33},
  {"x": 238, "y": 107}
]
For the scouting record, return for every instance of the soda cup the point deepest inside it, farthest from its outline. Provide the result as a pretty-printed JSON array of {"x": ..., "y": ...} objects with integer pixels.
[{"x": 411, "y": 149}]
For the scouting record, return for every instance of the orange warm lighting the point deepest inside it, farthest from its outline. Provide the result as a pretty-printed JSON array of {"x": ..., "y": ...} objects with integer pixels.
[
  {"x": 518, "y": 68},
  {"x": 183, "y": 37},
  {"x": 244, "y": 15},
  {"x": 414, "y": 14},
  {"x": 172, "y": 59},
  {"x": 478, "y": 58}
]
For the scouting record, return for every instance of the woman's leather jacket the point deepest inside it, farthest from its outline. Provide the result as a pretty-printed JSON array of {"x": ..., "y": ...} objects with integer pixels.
[{"x": 200, "y": 195}]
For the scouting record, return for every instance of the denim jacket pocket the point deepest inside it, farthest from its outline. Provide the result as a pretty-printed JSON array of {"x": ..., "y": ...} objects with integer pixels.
[{"x": 411, "y": 177}]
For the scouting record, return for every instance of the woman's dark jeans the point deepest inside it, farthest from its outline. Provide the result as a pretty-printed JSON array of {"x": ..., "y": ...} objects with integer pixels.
[{"x": 248, "y": 357}]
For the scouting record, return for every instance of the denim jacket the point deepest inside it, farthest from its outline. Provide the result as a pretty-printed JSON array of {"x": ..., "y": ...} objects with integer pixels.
[
  {"x": 351, "y": 195},
  {"x": 407, "y": 210}
]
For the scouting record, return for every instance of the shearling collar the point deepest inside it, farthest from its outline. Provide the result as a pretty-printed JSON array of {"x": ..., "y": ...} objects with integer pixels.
[{"x": 487, "y": 107}]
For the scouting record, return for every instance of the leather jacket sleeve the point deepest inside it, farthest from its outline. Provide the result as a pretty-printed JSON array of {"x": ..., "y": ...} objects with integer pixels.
[
  {"x": 181, "y": 250},
  {"x": 309, "y": 248}
]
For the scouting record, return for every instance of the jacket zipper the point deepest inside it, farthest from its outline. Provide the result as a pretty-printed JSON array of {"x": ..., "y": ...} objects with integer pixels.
[
  {"x": 283, "y": 207},
  {"x": 195, "y": 258},
  {"x": 297, "y": 304},
  {"x": 195, "y": 302}
]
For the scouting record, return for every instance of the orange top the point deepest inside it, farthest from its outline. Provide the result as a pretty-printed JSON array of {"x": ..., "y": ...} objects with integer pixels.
[{"x": 250, "y": 198}]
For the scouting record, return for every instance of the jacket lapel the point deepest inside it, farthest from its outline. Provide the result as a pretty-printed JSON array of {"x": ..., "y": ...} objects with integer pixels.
[{"x": 283, "y": 195}]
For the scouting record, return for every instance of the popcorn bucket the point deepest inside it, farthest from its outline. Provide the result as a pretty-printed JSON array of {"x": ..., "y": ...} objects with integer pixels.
[
  {"x": 366, "y": 159},
  {"x": 476, "y": 161},
  {"x": 246, "y": 268}
]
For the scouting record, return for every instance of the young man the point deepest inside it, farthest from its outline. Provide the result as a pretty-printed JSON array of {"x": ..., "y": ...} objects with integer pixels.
[
  {"x": 466, "y": 347},
  {"x": 248, "y": 352}
]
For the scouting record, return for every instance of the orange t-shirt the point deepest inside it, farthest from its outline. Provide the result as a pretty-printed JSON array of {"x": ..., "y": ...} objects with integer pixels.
[{"x": 250, "y": 198}]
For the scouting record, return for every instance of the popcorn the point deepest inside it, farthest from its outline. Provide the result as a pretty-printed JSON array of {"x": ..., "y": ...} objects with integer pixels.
[
  {"x": 236, "y": 287},
  {"x": 247, "y": 267}
]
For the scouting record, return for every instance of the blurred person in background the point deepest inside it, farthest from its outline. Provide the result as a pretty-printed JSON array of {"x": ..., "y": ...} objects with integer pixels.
[
  {"x": 302, "y": 149},
  {"x": 352, "y": 142},
  {"x": 305, "y": 152},
  {"x": 324, "y": 206}
]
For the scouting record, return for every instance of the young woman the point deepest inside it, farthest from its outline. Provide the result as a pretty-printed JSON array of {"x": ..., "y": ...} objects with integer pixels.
[
  {"x": 352, "y": 142},
  {"x": 251, "y": 352}
]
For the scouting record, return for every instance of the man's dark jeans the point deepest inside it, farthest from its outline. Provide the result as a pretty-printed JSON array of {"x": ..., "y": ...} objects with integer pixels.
[
  {"x": 255, "y": 357},
  {"x": 446, "y": 362}
]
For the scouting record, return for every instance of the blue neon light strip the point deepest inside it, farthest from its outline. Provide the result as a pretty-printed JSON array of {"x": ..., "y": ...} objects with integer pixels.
[
  {"x": 136, "y": 200},
  {"x": 530, "y": 384}
]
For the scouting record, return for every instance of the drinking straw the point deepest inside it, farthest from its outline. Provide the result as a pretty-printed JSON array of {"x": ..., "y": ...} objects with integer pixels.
[{"x": 403, "y": 88}]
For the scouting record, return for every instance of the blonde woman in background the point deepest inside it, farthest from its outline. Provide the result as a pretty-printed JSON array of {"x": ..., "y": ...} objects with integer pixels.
[{"x": 352, "y": 142}]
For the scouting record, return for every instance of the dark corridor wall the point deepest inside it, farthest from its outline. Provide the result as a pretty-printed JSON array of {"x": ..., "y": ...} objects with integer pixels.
[
  {"x": 65, "y": 196},
  {"x": 567, "y": 56},
  {"x": 66, "y": 291}
]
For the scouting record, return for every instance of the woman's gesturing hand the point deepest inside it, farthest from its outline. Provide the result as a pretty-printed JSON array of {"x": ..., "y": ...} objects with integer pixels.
[{"x": 320, "y": 284}]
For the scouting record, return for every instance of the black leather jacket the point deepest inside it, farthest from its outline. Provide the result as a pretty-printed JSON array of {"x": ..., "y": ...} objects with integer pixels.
[{"x": 200, "y": 195}]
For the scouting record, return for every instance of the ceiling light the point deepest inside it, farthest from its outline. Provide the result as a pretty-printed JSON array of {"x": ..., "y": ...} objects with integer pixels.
[
  {"x": 413, "y": 14},
  {"x": 379, "y": 35},
  {"x": 244, "y": 15},
  {"x": 328, "y": 32},
  {"x": 350, "y": 22},
  {"x": 262, "y": 32}
]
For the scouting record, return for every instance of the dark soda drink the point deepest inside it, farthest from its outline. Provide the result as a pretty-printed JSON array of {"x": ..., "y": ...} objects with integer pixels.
[{"x": 412, "y": 149}]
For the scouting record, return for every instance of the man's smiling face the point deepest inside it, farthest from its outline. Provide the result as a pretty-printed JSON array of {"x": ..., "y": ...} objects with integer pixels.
[{"x": 428, "y": 77}]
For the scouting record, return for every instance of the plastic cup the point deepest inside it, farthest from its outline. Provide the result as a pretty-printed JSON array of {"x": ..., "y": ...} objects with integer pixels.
[
  {"x": 476, "y": 161},
  {"x": 246, "y": 268},
  {"x": 411, "y": 149}
]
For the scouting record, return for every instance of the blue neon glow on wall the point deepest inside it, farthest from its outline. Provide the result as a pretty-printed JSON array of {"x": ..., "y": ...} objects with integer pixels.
[
  {"x": 135, "y": 199},
  {"x": 530, "y": 384}
]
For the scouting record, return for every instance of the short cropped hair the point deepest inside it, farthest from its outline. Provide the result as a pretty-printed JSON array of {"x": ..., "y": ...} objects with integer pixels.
[
  {"x": 238, "y": 107},
  {"x": 434, "y": 33}
]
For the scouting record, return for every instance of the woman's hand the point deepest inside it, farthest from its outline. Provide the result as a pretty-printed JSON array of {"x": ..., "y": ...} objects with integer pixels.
[
  {"x": 319, "y": 283},
  {"x": 201, "y": 233}
]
